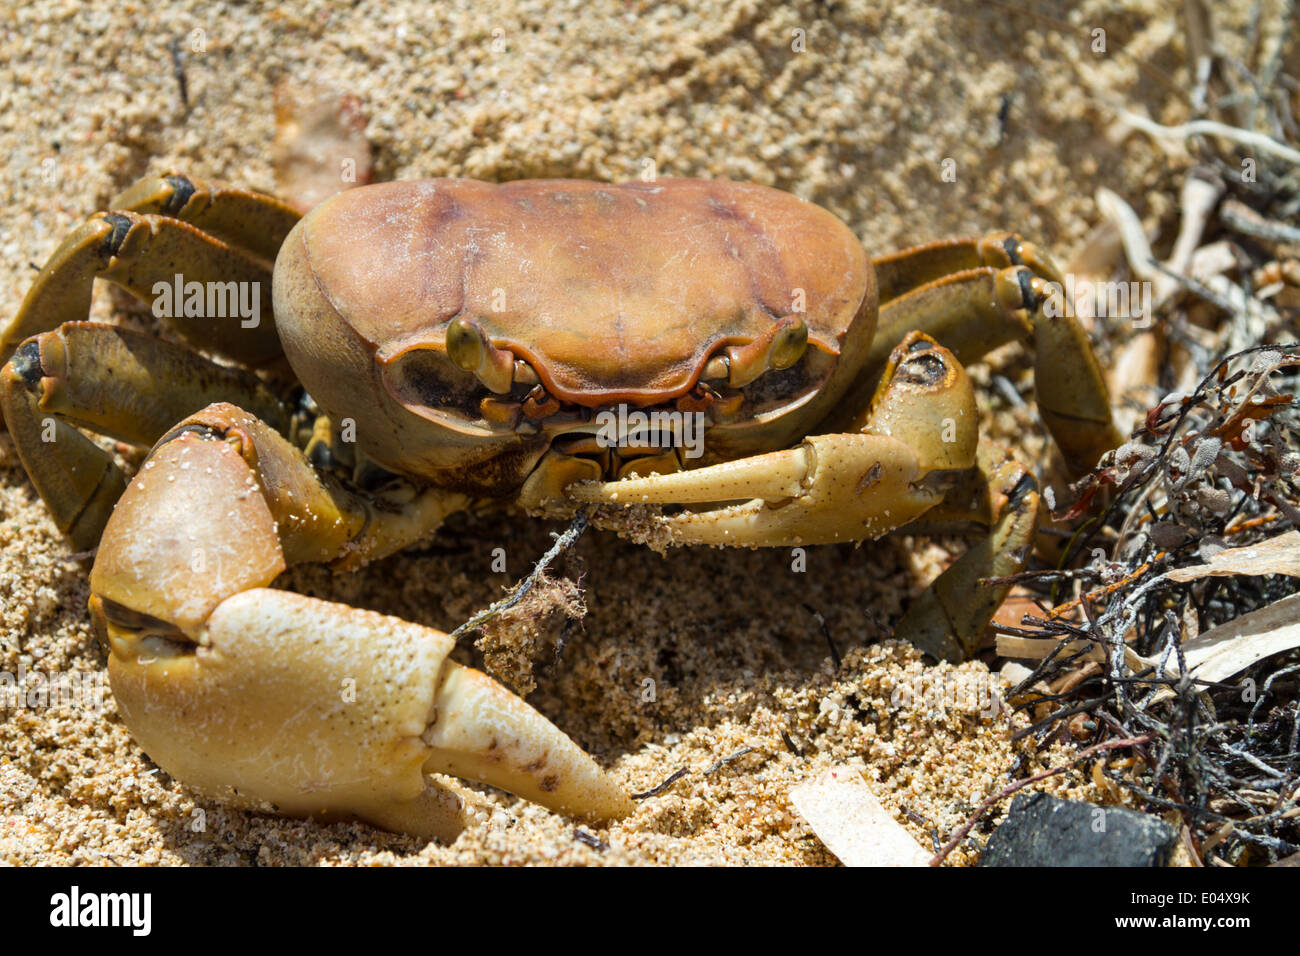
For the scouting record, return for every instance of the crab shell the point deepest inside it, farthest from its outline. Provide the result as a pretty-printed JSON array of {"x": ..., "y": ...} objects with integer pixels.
[{"x": 609, "y": 293}]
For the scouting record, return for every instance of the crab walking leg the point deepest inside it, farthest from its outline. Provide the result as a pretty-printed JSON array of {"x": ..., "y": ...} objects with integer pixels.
[
  {"x": 233, "y": 219},
  {"x": 900, "y": 272},
  {"x": 974, "y": 295},
  {"x": 216, "y": 295},
  {"x": 123, "y": 384},
  {"x": 971, "y": 312},
  {"x": 239, "y": 217},
  {"x": 949, "y": 618},
  {"x": 920, "y": 432},
  {"x": 275, "y": 700}
]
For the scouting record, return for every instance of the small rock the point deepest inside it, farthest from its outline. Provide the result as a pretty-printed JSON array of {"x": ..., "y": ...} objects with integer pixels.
[{"x": 1042, "y": 830}]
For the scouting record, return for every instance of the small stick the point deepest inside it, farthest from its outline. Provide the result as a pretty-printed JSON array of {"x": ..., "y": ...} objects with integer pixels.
[
  {"x": 1008, "y": 391},
  {"x": 1237, "y": 215},
  {"x": 562, "y": 542},
  {"x": 676, "y": 775},
  {"x": 1104, "y": 591},
  {"x": 1049, "y": 574},
  {"x": 590, "y": 839},
  {"x": 726, "y": 760},
  {"x": 1265, "y": 144},
  {"x": 789, "y": 742},
  {"x": 178, "y": 70},
  {"x": 826, "y": 633}
]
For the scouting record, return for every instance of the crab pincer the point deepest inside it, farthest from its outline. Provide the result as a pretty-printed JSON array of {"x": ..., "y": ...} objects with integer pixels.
[{"x": 276, "y": 700}]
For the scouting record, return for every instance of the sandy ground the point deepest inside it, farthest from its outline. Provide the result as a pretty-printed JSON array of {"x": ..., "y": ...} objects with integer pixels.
[{"x": 861, "y": 121}]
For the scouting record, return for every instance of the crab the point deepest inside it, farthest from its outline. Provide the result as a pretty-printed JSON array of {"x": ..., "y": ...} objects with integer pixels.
[{"x": 442, "y": 344}]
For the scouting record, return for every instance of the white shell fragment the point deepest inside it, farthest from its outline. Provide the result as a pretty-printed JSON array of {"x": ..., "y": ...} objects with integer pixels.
[{"x": 847, "y": 817}]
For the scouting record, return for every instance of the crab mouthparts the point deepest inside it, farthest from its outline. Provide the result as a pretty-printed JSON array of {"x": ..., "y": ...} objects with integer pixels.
[{"x": 625, "y": 432}]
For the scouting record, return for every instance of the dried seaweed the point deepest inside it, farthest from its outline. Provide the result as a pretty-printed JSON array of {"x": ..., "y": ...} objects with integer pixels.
[
  {"x": 1206, "y": 471},
  {"x": 1214, "y": 465}
]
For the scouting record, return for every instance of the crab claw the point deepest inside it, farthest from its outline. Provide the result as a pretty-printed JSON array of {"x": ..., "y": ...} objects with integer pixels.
[
  {"x": 921, "y": 431},
  {"x": 831, "y": 488},
  {"x": 279, "y": 701},
  {"x": 319, "y": 709},
  {"x": 485, "y": 733}
]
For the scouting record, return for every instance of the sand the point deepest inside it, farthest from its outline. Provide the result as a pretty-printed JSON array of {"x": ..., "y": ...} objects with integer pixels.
[{"x": 861, "y": 121}]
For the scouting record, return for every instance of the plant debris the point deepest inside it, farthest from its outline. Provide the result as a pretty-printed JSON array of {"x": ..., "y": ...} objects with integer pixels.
[
  {"x": 1142, "y": 651},
  {"x": 1196, "y": 550},
  {"x": 1230, "y": 648},
  {"x": 533, "y": 614}
]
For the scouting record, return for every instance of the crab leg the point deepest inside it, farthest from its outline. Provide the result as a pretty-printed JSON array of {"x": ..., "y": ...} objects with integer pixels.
[
  {"x": 139, "y": 252},
  {"x": 974, "y": 295},
  {"x": 948, "y": 619},
  {"x": 239, "y": 217},
  {"x": 127, "y": 385},
  {"x": 160, "y": 229},
  {"x": 900, "y": 272},
  {"x": 971, "y": 312},
  {"x": 275, "y": 700}
]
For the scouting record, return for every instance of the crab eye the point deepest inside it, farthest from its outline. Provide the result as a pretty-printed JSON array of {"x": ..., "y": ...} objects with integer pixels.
[
  {"x": 779, "y": 348},
  {"x": 470, "y": 349},
  {"x": 525, "y": 374},
  {"x": 718, "y": 369}
]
